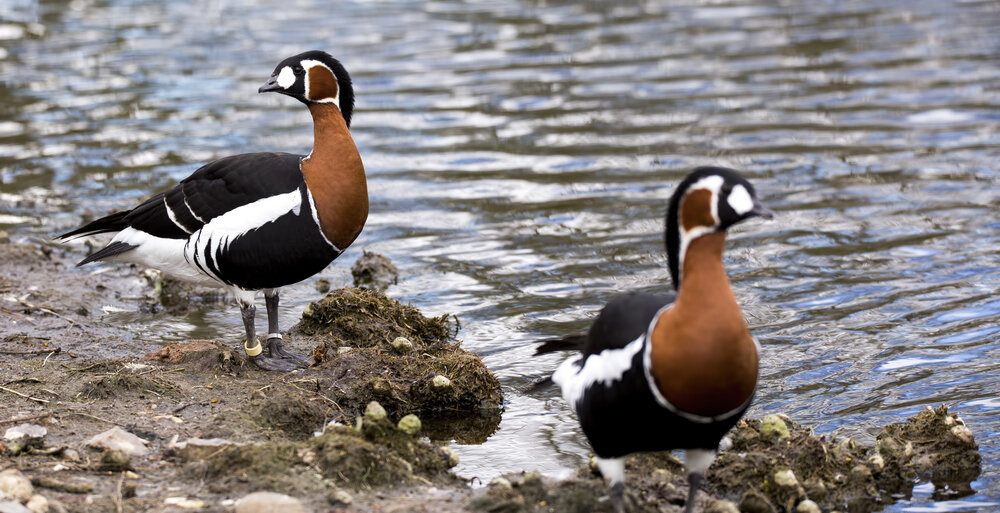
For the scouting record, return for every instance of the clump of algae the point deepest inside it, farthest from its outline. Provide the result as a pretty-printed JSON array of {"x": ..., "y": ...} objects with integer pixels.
[
  {"x": 373, "y": 452},
  {"x": 362, "y": 359},
  {"x": 768, "y": 470},
  {"x": 365, "y": 318}
]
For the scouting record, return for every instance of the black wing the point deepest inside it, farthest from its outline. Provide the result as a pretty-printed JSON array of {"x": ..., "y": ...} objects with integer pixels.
[
  {"x": 212, "y": 190},
  {"x": 623, "y": 320}
]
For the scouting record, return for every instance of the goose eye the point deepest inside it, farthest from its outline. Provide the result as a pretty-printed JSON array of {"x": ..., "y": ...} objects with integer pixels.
[{"x": 297, "y": 69}]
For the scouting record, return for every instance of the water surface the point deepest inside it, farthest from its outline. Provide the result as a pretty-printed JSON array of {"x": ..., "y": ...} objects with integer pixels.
[{"x": 520, "y": 154}]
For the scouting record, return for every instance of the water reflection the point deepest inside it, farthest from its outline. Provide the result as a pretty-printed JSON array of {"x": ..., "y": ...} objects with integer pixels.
[{"x": 520, "y": 155}]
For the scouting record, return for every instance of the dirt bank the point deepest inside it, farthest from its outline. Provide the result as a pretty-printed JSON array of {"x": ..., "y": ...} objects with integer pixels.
[{"x": 200, "y": 429}]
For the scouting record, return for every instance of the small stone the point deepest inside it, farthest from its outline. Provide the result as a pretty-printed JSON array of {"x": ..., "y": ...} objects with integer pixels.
[
  {"x": 25, "y": 431},
  {"x": 531, "y": 478},
  {"x": 339, "y": 497},
  {"x": 14, "y": 486},
  {"x": 38, "y": 504},
  {"x": 374, "y": 411},
  {"x": 115, "y": 460},
  {"x": 344, "y": 349},
  {"x": 722, "y": 506},
  {"x": 322, "y": 285},
  {"x": 877, "y": 461},
  {"x": 269, "y": 502},
  {"x": 501, "y": 482},
  {"x": 808, "y": 506},
  {"x": 451, "y": 455},
  {"x": 409, "y": 424},
  {"x": 118, "y": 439},
  {"x": 185, "y": 503},
  {"x": 307, "y": 311},
  {"x": 726, "y": 443},
  {"x": 860, "y": 474},
  {"x": 772, "y": 428},
  {"x": 963, "y": 434},
  {"x": 593, "y": 465},
  {"x": 785, "y": 478},
  {"x": 441, "y": 381},
  {"x": 402, "y": 345}
]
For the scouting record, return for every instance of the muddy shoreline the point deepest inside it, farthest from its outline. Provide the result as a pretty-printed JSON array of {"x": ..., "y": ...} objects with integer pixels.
[{"x": 214, "y": 430}]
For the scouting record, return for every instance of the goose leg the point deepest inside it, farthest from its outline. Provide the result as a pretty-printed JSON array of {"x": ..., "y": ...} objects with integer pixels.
[
  {"x": 696, "y": 462},
  {"x": 263, "y": 359},
  {"x": 694, "y": 482},
  {"x": 273, "y": 346}
]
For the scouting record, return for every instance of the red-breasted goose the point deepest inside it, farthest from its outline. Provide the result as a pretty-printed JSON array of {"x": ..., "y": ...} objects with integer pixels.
[
  {"x": 671, "y": 371},
  {"x": 257, "y": 221}
]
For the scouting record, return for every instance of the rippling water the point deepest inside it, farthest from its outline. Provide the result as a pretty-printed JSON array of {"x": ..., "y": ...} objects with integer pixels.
[{"x": 520, "y": 154}]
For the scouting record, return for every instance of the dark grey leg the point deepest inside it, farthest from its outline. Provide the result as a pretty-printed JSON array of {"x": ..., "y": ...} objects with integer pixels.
[
  {"x": 694, "y": 482},
  {"x": 248, "y": 312},
  {"x": 272, "y": 313},
  {"x": 274, "y": 357}
]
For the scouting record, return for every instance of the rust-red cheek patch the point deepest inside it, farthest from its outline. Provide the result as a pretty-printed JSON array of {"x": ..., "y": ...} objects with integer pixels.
[
  {"x": 697, "y": 209},
  {"x": 322, "y": 84}
]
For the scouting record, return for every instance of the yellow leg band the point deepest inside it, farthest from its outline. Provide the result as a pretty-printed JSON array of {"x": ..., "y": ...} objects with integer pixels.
[{"x": 255, "y": 350}]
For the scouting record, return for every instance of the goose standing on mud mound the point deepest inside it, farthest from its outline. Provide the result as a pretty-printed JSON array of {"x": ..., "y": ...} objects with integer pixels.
[
  {"x": 677, "y": 371},
  {"x": 258, "y": 221}
]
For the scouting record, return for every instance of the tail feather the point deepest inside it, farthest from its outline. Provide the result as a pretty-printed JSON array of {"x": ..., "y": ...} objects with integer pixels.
[
  {"x": 111, "y": 223},
  {"x": 115, "y": 248},
  {"x": 569, "y": 343}
]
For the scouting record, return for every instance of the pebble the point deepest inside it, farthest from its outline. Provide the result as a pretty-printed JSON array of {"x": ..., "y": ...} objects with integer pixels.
[
  {"x": 501, "y": 482},
  {"x": 963, "y": 433},
  {"x": 339, "y": 497},
  {"x": 115, "y": 460},
  {"x": 722, "y": 506},
  {"x": 808, "y": 506},
  {"x": 402, "y": 345},
  {"x": 374, "y": 411},
  {"x": 441, "y": 381},
  {"x": 785, "y": 478},
  {"x": 118, "y": 439},
  {"x": 772, "y": 427},
  {"x": 269, "y": 502},
  {"x": 14, "y": 486},
  {"x": 409, "y": 424},
  {"x": 38, "y": 504},
  {"x": 185, "y": 503},
  {"x": 452, "y": 456},
  {"x": 25, "y": 430}
]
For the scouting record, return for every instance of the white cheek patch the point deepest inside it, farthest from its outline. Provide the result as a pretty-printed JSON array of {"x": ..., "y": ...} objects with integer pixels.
[
  {"x": 740, "y": 200},
  {"x": 286, "y": 78}
]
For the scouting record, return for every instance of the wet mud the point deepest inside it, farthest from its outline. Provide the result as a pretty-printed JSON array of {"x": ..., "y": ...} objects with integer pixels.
[{"x": 96, "y": 418}]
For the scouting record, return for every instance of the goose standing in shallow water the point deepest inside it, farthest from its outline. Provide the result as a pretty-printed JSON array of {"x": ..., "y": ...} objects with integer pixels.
[
  {"x": 672, "y": 371},
  {"x": 257, "y": 221}
]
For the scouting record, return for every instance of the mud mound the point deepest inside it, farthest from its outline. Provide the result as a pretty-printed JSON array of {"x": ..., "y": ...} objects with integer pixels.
[
  {"x": 934, "y": 445},
  {"x": 530, "y": 493},
  {"x": 374, "y": 271},
  {"x": 366, "y": 318},
  {"x": 373, "y": 348},
  {"x": 775, "y": 464},
  {"x": 374, "y": 452}
]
